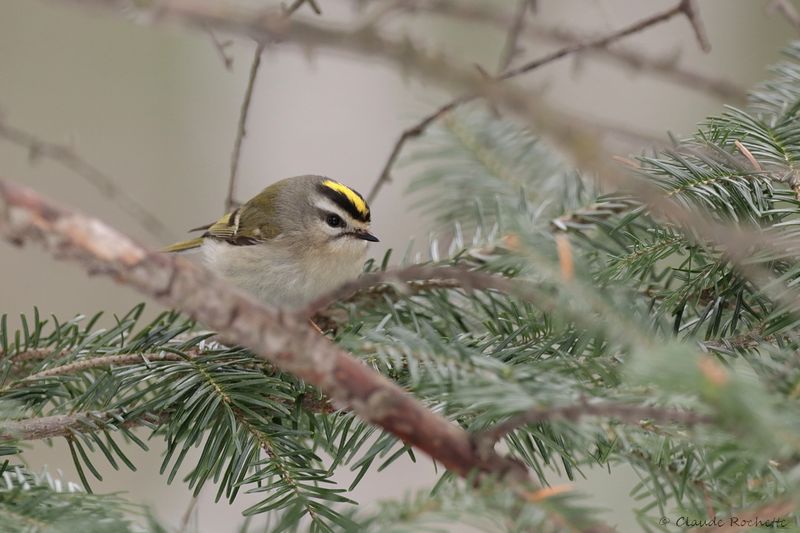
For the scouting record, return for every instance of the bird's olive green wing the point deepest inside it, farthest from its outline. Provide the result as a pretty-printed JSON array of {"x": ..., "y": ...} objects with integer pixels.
[{"x": 250, "y": 224}]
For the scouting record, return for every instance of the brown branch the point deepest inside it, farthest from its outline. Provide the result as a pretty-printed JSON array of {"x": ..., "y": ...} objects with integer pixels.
[
  {"x": 449, "y": 277},
  {"x": 67, "y": 157},
  {"x": 54, "y": 426},
  {"x": 220, "y": 47},
  {"x": 666, "y": 67},
  {"x": 633, "y": 414},
  {"x": 284, "y": 339},
  {"x": 35, "y": 354},
  {"x": 627, "y": 57},
  {"x": 554, "y": 127},
  {"x": 47, "y": 427},
  {"x": 684, "y": 7},
  {"x": 105, "y": 361}
]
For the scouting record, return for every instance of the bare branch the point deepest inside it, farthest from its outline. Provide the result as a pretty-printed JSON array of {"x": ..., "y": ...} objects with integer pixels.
[
  {"x": 220, "y": 47},
  {"x": 599, "y": 42},
  {"x": 241, "y": 131},
  {"x": 580, "y": 146},
  {"x": 230, "y": 202},
  {"x": 408, "y": 134},
  {"x": 666, "y": 67},
  {"x": 297, "y": 4},
  {"x": 785, "y": 8},
  {"x": 284, "y": 339},
  {"x": 689, "y": 8},
  {"x": 628, "y": 57},
  {"x": 683, "y": 7},
  {"x": 511, "y": 46},
  {"x": 66, "y": 156}
]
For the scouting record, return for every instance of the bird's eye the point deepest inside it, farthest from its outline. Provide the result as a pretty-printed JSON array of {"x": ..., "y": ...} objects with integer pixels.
[{"x": 334, "y": 221}]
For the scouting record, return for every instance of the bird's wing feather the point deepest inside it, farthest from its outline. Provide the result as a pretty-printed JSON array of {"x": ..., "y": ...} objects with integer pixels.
[
  {"x": 244, "y": 226},
  {"x": 249, "y": 224},
  {"x": 183, "y": 246}
]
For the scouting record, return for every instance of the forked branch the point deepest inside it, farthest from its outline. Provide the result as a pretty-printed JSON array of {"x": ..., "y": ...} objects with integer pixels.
[{"x": 285, "y": 339}]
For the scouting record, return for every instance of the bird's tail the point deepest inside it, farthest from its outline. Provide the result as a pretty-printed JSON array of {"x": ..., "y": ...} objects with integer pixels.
[{"x": 185, "y": 245}]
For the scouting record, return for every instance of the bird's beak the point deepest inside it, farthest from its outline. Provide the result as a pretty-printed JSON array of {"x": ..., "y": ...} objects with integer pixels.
[{"x": 365, "y": 235}]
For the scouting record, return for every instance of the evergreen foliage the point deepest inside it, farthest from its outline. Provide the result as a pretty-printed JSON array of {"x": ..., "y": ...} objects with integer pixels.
[{"x": 627, "y": 307}]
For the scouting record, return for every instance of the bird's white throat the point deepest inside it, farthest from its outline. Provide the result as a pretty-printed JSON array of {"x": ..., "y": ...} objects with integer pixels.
[{"x": 280, "y": 276}]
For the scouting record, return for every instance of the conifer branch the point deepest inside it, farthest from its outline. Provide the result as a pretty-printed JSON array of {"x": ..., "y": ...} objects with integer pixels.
[
  {"x": 105, "y": 361},
  {"x": 632, "y": 414},
  {"x": 431, "y": 277},
  {"x": 48, "y": 427},
  {"x": 34, "y": 354},
  {"x": 283, "y": 338}
]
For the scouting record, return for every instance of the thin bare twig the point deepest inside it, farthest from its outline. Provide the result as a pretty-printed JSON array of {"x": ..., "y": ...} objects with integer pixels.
[
  {"x": 689, "y": 8},
  {"x": 298, "y": 3},
  {"x": 579, "y": 145},
  {"x": 666, "y": 67},
  {"x": 284, "y": 339},
  {"x": 785, "y": 8},
  {"x": 220, "y": 47},
  {"x": 187, "y": 514},
  {"x": 107, "y": 186},
  {"x": 684, "y": 7},
  {"x": 241, "y": 131},
  {"x": 511, "y": 46}
]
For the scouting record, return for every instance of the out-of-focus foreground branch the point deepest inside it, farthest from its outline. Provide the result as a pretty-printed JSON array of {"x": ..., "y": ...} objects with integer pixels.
[
  {"x": 285, "y": 339},
  {"x": 580, "y": 146}
]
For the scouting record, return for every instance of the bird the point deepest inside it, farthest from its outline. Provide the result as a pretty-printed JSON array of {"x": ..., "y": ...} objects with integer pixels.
[{"x": 296, "y": 240}]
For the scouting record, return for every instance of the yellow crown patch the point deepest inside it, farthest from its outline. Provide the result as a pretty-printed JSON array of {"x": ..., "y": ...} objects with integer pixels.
[{"x": 352, "y": 196}]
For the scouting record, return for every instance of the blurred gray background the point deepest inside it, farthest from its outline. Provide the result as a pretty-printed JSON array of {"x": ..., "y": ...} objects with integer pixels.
[{"x": 155, "y": 109}]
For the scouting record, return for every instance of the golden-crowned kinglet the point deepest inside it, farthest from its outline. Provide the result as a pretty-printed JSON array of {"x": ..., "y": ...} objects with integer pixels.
[{"x": 292, "y": 242}]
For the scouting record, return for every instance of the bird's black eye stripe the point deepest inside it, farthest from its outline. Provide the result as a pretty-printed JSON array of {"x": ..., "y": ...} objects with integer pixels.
[{"x": 334, "y": 220}]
